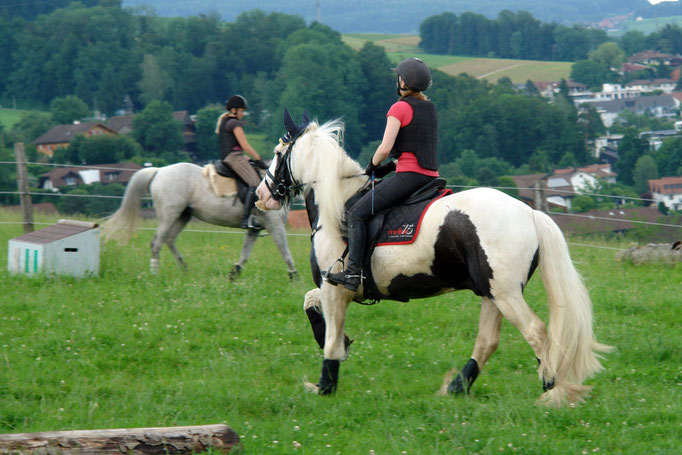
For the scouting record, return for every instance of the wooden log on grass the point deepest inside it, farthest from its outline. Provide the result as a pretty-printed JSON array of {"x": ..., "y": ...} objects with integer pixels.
[{"x": 168, "y": 440}]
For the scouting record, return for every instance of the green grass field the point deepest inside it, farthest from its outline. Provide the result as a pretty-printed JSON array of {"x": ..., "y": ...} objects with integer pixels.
[
  {"x": 648, "y": 26},
  {"x": 8, "y": 117},
  {"x": 127, "y": 349},
  {"x": 399, "y": 47}
]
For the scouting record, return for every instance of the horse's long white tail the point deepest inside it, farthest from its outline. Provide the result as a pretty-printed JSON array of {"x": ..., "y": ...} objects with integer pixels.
[
  {"x": 571, "y": 354},
  {"x": 121, "y": 225}
]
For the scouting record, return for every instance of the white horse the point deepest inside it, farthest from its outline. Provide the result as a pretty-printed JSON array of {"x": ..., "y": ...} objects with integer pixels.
[
  {"x": 482, "y": 240},
  {"x": 180, "y": 191}
]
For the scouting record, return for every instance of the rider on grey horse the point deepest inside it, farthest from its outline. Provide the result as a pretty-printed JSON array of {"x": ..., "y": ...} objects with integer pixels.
[{"x": 233, "y": 145}]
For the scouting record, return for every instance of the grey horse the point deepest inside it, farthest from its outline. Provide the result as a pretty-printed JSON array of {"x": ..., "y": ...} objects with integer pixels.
[{"x": 180, "y": 191}]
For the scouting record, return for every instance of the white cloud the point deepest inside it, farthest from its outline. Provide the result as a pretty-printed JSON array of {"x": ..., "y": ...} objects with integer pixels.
[{"x": 656, "y": 2}]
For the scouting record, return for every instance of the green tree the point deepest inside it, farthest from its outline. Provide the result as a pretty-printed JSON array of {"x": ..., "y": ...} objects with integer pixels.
[
  {"x": 609, "y": 55},
  {"x": 669, "y": 157},
  {"x": 589, "y": 72},
  {"x": 333, "y": 66},
  {"x": 104, "y": 149},
  {"x": 645, "y": 170},
  {"x": 155, "y": 80},
  {"x": 67, "y": 109},
  {"x": 207, "y": 139},
  {"x": 30, "y": 126},
  {"x": 629, "y": 151},
  {"x": 159, "y": 134},
  {"x": 581, "y": 204},
  {"x": 377, "y": 90}
]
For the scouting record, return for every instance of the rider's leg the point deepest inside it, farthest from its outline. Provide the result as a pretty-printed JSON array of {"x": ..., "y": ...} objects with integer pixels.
[
  {"x": 391, "y": 191},
  {"x": 352, "y": 276},
  {"x": 249, "y": 202}
]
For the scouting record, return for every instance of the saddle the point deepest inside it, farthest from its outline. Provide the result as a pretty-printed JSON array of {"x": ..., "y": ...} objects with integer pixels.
[
  {"x": 397, "y": 225},
  {"x": 225, "y": 182}
]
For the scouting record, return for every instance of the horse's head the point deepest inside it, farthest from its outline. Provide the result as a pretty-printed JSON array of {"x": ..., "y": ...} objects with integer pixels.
[{"x": 279, "y": 183}]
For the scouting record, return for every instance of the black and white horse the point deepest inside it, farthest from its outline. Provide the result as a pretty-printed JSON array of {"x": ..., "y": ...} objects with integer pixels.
[{"x": 482, "y": 240}]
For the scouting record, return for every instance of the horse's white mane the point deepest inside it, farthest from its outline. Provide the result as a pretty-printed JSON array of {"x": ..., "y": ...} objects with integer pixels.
[{"x": 319, "y": 157}]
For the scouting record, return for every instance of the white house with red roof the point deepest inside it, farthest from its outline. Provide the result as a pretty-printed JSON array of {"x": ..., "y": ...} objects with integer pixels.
[{"x": 667, "y": 190}]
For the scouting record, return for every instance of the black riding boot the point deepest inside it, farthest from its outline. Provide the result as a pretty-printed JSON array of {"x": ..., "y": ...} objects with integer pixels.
[
  {"x": 352, "y": 276},
  {"x": 248, "y": 222}
]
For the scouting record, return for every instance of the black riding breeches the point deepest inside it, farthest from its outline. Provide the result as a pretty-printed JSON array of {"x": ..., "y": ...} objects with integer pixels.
[{"x": 392, "y": 191}]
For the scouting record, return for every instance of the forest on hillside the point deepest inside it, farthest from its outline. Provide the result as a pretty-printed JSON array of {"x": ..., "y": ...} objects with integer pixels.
[{"x": 397, "y": 16}]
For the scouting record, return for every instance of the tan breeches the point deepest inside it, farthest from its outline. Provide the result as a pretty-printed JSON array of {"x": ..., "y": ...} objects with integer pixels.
[{"x": 240, "y": 164}]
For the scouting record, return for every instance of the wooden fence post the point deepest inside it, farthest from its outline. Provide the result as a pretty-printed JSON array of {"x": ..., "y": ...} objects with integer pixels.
[
  {"x": 22, "y": 183},
  {"x": 176, "y": 440},
  {"x": 540, "y": 196}
]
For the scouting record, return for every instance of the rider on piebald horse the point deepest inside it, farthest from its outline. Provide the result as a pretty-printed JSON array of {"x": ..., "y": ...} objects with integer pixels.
[
  {"x": 233, "y": 145},
  {"x": 411, "y": 136}
]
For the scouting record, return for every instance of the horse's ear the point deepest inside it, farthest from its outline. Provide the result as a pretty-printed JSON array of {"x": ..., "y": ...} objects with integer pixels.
[
  {"x": 306, "y": 119},
  {"x": 289, "y": 123}
]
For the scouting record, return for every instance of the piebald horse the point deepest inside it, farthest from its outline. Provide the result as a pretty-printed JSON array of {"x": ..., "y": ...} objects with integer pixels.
[
  {"x": 180, "y": 191},
  {"x": 481, "y": 239}
]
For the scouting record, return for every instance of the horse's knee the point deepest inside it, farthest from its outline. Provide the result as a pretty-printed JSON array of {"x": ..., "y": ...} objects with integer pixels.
[{"x": 462, "y": 383}]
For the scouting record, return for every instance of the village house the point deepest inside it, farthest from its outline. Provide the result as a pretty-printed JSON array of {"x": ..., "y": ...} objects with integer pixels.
[
  {"x": 655, "y": 58},
  {"x": 80, "y": 175},
  {"x": 667, "y": 190},
  {"x": 564, "y": 184},
  {"x": 61, "y": 135},
  {"x": 659, "y": 106},
  {"x": 606, "y": 148}
]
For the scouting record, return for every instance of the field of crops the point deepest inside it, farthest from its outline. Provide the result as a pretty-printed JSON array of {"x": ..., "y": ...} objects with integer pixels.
[
  {"x": 399, "y": 47},
  {"x": 127, "y": 349}
]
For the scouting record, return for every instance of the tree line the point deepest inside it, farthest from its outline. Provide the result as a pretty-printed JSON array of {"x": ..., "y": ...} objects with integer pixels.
[{"x": 521, "y": 36}]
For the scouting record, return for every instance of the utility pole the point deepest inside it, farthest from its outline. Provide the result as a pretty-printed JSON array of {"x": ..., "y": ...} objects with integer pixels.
[{"x": 22, "y": 183}]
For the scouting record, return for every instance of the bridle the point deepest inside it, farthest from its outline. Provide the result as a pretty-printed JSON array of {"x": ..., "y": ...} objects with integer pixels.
[{"x": 283, "y": 183}]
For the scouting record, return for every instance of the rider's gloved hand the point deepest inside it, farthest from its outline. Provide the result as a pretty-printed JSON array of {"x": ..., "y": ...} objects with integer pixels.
[
  {"x": 261, "y": 164},
  {"x": 371, "y": 167},
  {"x": 385, "y": 169}
]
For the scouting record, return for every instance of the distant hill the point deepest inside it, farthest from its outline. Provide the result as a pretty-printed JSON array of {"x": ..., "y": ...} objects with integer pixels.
[{"x": 396, "y": 16}]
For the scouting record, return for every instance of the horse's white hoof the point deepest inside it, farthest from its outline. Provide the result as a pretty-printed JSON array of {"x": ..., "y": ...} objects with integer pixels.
[{"x": 310, "y": 387}]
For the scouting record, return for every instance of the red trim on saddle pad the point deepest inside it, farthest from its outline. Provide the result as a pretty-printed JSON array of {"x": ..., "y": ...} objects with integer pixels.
[{"x": 403, "y": 234}]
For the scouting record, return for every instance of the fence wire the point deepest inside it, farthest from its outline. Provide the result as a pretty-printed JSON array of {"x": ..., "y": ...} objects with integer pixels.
[{"x": 57, "y": 194}]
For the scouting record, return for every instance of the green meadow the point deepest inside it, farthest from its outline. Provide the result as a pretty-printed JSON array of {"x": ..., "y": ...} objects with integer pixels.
[{"x": 127, "y": 349}]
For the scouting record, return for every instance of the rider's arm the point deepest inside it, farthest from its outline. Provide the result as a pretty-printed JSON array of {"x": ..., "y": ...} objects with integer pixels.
[
  {"x": 244, "y": 144},
  {"x": 390, "y": 133}
]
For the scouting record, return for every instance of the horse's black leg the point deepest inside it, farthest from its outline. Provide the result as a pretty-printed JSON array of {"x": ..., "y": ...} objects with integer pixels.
[
  {"x": 329, "y": 378},
  {"x": 235, "y": 272},
  {"x": 317, "y": 324},
  {"x": 462, "y": 383}
]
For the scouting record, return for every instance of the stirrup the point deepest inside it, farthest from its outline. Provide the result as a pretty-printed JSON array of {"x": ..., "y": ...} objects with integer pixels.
[{"x": 252, "y": 224}]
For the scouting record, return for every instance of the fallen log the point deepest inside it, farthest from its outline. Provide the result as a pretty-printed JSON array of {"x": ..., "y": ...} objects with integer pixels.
[
  {"x": 652, "y": 252},
  {"x": 169, "y": 440}
]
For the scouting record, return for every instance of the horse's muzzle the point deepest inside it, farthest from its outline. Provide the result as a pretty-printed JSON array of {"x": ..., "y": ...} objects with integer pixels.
[{"x": 265, "y": 200}]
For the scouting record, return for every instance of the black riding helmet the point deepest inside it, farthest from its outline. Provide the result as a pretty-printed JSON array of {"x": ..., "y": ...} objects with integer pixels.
[
  {"x": 236, "y": 101},
  {"x": 415, "y": 74}
]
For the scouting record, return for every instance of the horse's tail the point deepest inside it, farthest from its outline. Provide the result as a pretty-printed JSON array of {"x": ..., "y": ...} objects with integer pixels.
[
  {"x": 121, "y": 225},
  {"x": 571, "y": 354}
]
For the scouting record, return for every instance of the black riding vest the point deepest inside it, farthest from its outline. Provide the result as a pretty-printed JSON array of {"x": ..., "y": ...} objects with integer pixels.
[
  {"x": 420, "y": 136},
  {"x": 227, "y": 139}
]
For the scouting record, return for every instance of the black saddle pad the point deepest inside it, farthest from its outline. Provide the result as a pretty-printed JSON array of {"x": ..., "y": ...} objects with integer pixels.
[{"x": 401, "y": 224}]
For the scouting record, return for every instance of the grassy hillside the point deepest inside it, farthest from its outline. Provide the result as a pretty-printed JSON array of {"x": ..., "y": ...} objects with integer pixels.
[
  {"x": 399, "y": 47},
  {"x": 127, "y": 349}
]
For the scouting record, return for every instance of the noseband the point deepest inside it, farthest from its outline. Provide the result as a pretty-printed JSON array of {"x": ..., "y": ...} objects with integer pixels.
[{"x": 283, "y": 182}]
